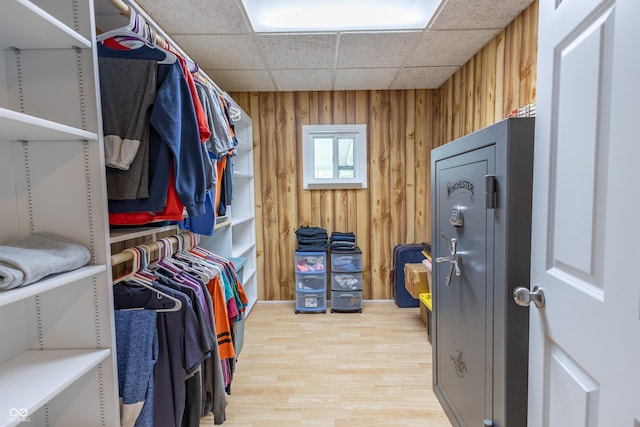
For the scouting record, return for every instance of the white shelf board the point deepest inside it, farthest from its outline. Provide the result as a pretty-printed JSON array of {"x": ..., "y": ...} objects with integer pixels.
[
  {"x": 122, "y": 234},
  {"x": 15, "y": 126},
  {"x": 241, "y": 220},
  {"x": 242, "y": 175},
  {"x": 33, "y": 378},
  {"x": 48, "y": 283},
  {"x": 240, "y": 249},
  {"x": 20, "y": 19}
]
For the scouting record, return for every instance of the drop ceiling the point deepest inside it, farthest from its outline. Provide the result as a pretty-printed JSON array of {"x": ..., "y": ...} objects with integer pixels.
[{"x": 219, "y": 37}]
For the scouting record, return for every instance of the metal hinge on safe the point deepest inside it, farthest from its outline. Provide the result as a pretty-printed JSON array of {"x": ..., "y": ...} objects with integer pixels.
[{"x": 490, "y": 188}]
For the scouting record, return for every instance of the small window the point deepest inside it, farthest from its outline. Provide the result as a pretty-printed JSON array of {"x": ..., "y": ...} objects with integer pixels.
[{"x": 334, "y": 156}]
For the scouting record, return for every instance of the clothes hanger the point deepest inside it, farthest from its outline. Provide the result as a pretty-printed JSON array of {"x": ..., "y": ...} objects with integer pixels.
[
  {"x": 134, "y": 277},
  {"x": 191, "y": 264},
  {"x": 197, "y": 262},
  {"x": 235, "y": 114},
  {"x": 136, "y": 34}
]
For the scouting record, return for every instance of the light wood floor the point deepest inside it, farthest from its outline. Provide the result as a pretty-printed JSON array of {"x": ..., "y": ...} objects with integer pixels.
[{"x": 336, "y": 369}]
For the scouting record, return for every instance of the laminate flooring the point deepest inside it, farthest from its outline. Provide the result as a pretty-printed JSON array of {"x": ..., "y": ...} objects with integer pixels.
[{"x": 336, "y": 369}]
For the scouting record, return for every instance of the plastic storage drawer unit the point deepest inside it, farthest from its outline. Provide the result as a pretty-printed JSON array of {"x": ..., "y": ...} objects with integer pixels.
[
  {"x": 310, "y": 282},
  {"x": 311, "y": 302},
  {"x": 310, "y": 262},
  {"x": 346, "y": 301},
  {"x": 346, "y": 261},
  {"x": 346, "y": 281}
]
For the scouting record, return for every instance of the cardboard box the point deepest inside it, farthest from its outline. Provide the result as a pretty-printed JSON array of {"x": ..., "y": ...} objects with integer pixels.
[{"x": 417, "y": 279}]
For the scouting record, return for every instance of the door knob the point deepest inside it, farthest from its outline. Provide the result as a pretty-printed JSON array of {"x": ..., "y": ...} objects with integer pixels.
[{"x": 523, "y": 296}]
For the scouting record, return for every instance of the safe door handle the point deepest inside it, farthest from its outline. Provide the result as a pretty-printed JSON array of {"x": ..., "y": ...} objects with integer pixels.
[{"x": 452, "y": 259}]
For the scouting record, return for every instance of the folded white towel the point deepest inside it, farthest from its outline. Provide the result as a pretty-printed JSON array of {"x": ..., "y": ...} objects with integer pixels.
[{"x": 36, "y": 256}]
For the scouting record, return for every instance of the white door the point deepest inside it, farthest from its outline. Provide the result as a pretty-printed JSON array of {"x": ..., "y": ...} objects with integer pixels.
[{"x": 584, "y": 367}]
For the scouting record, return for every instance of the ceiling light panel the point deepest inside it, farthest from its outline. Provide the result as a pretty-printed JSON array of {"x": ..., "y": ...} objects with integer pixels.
[{"x": 338, "y": 15}]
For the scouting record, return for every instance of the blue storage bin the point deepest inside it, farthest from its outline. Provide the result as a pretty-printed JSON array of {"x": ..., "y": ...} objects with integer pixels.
[{"x": 239, "y": 263}]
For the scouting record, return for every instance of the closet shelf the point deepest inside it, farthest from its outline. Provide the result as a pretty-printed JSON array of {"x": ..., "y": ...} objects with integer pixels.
[
  {"x": 242, "y": 175},
  {"x": 47, "y": 284},
  {"x": 120, "y": 235},
  {"x": 21, "y": 18},
  {"x": 240, "y": 249},
  {"x": 33, "y": 378},
  {"x": 15, "y": 126},
  {"x": 241, "y": 220}
]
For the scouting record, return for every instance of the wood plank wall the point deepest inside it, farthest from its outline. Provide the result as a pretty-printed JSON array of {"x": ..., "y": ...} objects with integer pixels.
[{"x": 403, "y": 126}]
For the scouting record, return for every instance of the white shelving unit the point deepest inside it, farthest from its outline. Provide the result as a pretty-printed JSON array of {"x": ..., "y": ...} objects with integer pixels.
[
  {"x": 243, "y": 216},
  {"x": 235, "y": 236},
  {"x": 57, "y": 365}
]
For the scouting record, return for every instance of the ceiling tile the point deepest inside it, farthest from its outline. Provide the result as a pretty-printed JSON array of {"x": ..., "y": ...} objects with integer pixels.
[
  {"x": 443, "y": 48},
  {"x": 364, "y": 78},
  {"x": 303, "y": 80},
  {"x": 224, "y": 52},
  {"x": 422, "y": 77},
  {"x": 197, "y": 16},
  {"x": 469, "y": 14},
  {"x": 298, "y": 51},
  {"x": 375, "y": 49},
  {"x": 242, "y": 80}
]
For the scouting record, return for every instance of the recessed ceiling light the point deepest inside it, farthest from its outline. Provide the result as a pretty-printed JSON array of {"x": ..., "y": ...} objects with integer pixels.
[{"x": 338, "y": 15}]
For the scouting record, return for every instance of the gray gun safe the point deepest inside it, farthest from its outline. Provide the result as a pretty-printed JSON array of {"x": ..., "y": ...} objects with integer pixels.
[{"x": 481, "y": 187}]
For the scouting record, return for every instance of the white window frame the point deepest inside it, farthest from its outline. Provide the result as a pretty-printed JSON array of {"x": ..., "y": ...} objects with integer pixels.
[{"x": 359, "y": 152}]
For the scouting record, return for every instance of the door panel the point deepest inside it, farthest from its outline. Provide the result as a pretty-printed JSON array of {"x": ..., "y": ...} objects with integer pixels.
[
  {"x": 582, "y": 62},
  {"x": 573, "y": 394}
]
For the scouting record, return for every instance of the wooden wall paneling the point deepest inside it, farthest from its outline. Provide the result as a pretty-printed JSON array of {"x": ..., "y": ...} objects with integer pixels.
[
  {"x": 352, "y": 195},
  {"x": 529, "y": 55},
  {"x": 380, "y": 184},
  {"x": 479, "y": 88},
  {"x": 363, "y": 211},
  {"x": 438, "y": 105},
  {"x": 511, "y": 83},
  {"x": 286, "y": 176},
  {"x": 489, "y": 83},
  {"x": 399, "y": 166},
  {"x": 498, "y": 113},
  {"x": 340, "y": 201},
  {"x": 469, "y": 86},
  {"x": 416, "y": 215},
  {"x": 314, "y": 114},
  {"x": 270, "y": 226},
  {"x": 422, "y": 166},
  {"x": 447, "y": 121},
  {"x": 412, "y": 121},
  {"x": 254, "y": 111},
  {"x": 456, "y": 99},
  {"x": 305, "y": 216}
]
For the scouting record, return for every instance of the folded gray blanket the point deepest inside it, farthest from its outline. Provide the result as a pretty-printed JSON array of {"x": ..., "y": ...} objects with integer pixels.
[{"x": 36, "y": 256}]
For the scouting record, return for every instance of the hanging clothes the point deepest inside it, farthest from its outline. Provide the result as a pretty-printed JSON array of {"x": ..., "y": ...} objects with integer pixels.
[
  {"x": 174, "y": 138},
  {"x": 195, "y": 362},
  {"x": 137, "y": 353}
]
